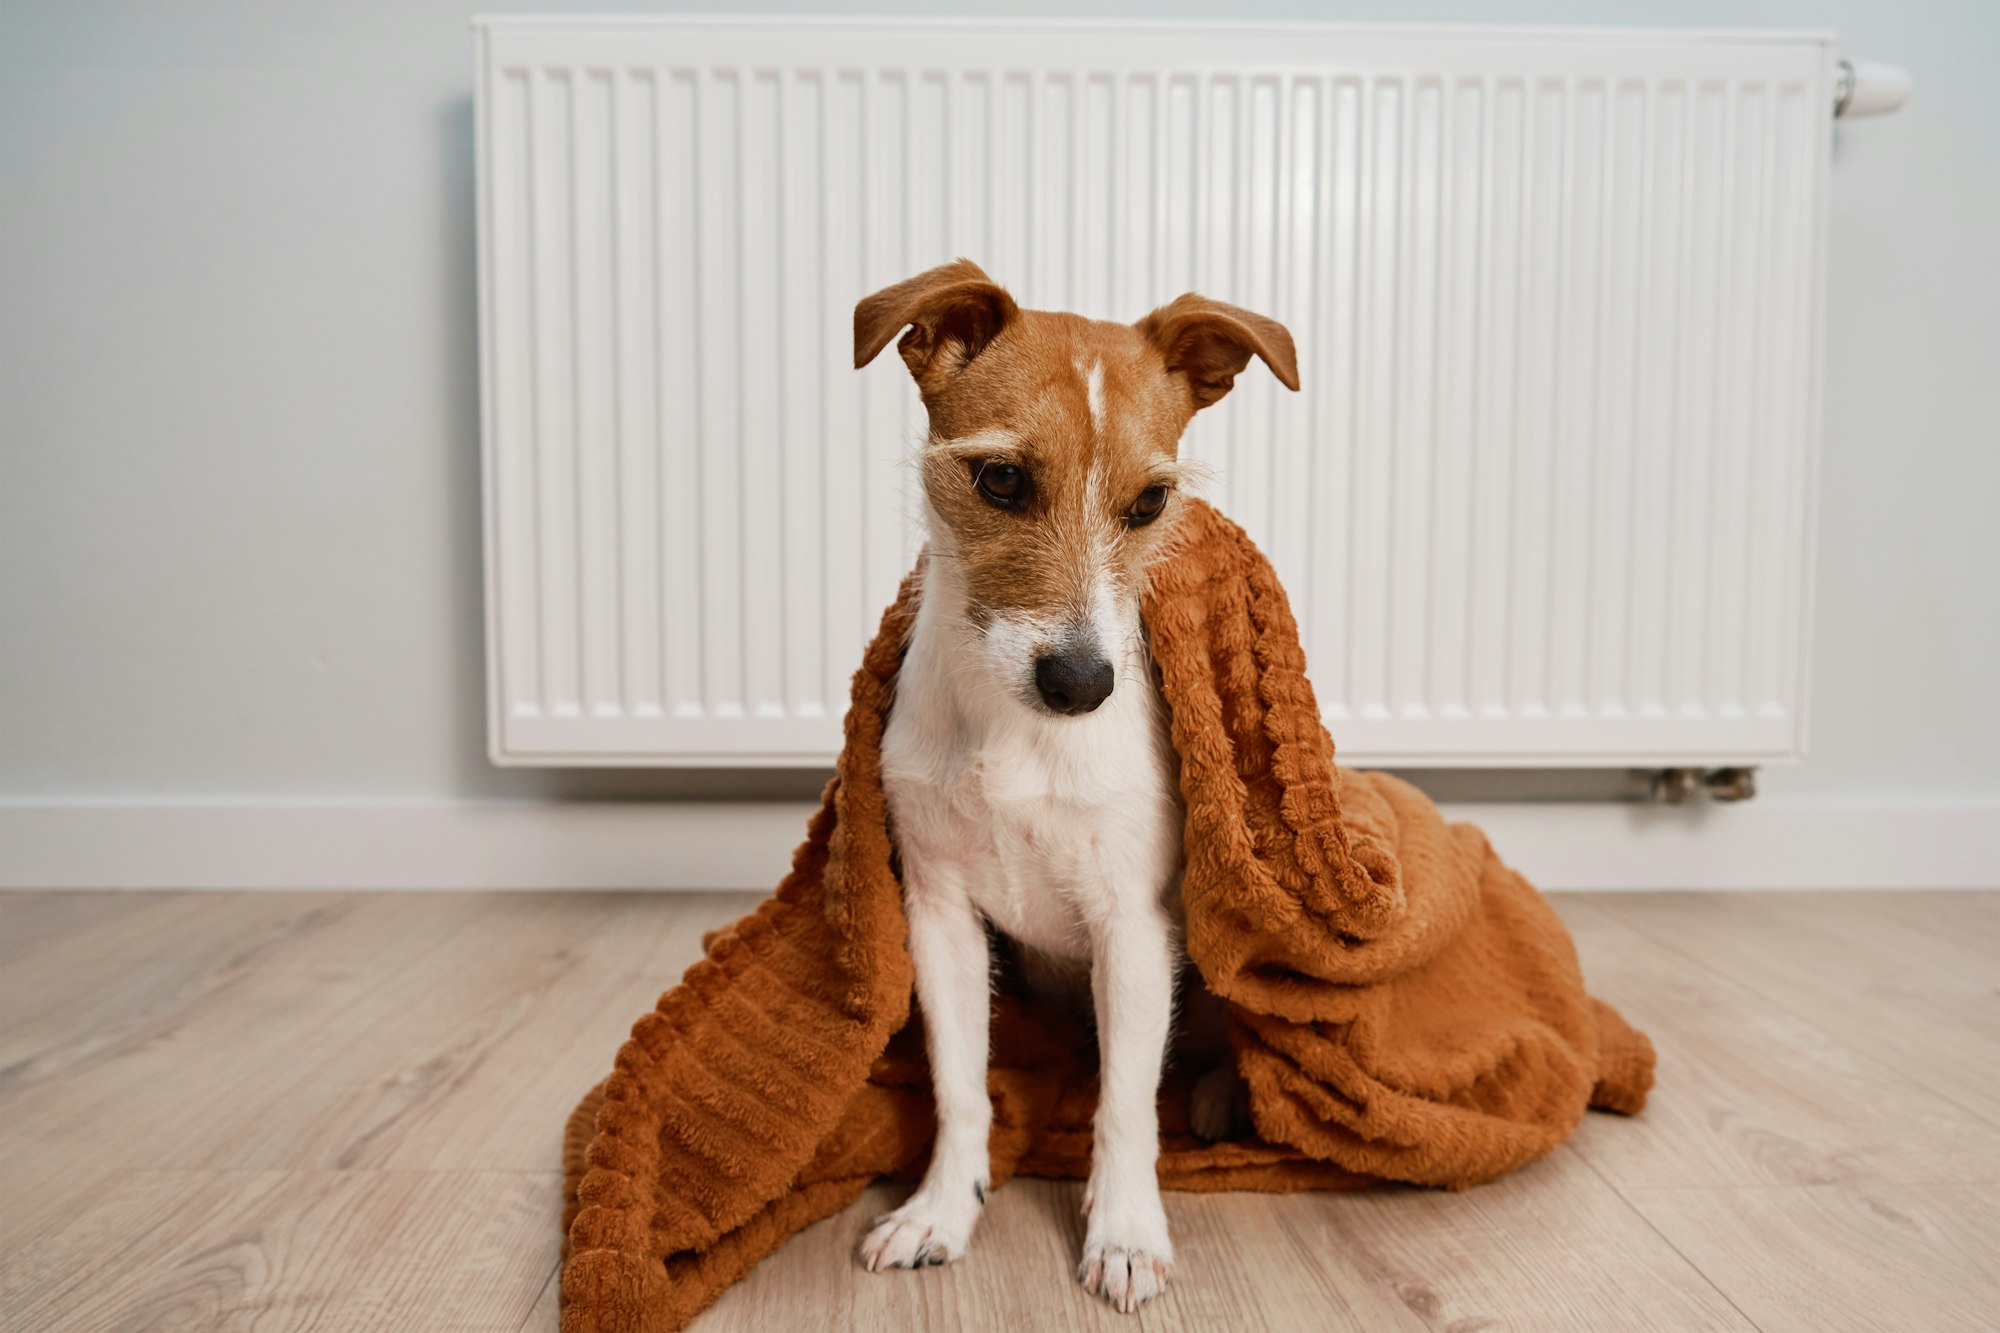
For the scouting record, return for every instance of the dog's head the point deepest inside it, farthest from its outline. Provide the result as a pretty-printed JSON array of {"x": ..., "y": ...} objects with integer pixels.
[{"x": 1052, "y": 466}]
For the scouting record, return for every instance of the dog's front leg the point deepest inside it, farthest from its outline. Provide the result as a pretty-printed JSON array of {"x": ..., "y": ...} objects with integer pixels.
[
  {"x": 954, "y": 987},
  {"x": 1126, "y": 1252}
]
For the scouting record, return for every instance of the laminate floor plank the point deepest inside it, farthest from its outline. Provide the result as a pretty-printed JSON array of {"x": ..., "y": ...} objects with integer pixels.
[
  {"x": 1551, "y": 1247},
  {"x": 1831, "y": 1258},
  {"x": 148, "y": 952},
  {"x": 233, "y": 1074},
  {"x": 31, "y": 920},
  {"x": 1750, "y": 1094},
  {"x": 506, "y": 1109},
  {"x": 337, "y": 1111},
  {"x": 286, "y": 1251},
  {"x": 1911, "y": 980}
]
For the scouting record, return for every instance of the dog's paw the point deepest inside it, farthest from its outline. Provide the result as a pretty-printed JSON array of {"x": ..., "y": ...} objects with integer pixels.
[
  {"x": 1125, "y": 1278},
  {"x": 925, "y": 1232},
  {"x": 1127, "y": 1256},
  {"x": 1219, "y": 1105}
]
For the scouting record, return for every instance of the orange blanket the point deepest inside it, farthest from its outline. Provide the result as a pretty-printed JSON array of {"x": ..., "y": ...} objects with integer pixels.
[{"x": 1403, "y": 1006}]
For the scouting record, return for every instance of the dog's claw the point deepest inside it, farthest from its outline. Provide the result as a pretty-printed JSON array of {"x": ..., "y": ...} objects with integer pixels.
[
  {"x": 1125, "y": 1279},
  {"x": 920, "y": 1234}
]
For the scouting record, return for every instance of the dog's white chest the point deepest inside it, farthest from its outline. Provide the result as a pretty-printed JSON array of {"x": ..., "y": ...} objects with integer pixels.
[{"x": 1042, "y": 822}]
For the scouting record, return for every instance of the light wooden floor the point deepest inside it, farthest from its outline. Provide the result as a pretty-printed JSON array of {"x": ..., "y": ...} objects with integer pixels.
[{"x": 341, "y": 1111}]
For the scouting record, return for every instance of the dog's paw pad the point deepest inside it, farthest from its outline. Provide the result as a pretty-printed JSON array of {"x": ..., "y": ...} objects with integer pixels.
[
  {"x": 920, "y": 1234},
  {"x": 1125, "y": 1278}
]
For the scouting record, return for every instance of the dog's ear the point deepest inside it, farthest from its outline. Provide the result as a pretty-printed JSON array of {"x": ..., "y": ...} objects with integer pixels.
[
  {"x": 1209, "y": 343},
  {"x": 951, "y": 312}
]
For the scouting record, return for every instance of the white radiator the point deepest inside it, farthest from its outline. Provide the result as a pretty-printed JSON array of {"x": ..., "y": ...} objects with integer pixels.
[{"x": 1546, "y": 498}]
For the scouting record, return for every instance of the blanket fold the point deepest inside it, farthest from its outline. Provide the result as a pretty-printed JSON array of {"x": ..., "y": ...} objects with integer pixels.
[{"x": 1403, "y": 1006}]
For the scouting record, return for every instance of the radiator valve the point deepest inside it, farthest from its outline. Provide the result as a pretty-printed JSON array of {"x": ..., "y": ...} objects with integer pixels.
[{"x": 1678, "y": 786}]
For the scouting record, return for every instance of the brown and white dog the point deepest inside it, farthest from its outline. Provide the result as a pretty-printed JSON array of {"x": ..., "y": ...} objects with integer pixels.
[{"x": 1030, "y": 781}]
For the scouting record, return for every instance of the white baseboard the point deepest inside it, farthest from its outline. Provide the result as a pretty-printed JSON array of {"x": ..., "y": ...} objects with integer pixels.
[{"x": 687, "y": 845}]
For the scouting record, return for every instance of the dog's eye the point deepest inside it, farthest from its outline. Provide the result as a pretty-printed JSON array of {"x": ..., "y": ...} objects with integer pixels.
[
  {"x": 1004, "y": 485},
  {"x": 1147, "y": 507}
]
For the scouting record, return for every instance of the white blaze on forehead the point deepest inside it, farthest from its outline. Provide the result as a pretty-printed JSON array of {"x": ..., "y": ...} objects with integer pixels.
[{"x": 1093, "y": 386}]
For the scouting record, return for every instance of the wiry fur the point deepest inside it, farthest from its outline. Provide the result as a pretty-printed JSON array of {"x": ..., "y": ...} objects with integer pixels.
[{"x": 1062, "y": 832}]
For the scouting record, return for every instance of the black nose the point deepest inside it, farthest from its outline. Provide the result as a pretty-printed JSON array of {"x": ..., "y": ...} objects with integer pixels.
[{"x": 1073, "y": 682}]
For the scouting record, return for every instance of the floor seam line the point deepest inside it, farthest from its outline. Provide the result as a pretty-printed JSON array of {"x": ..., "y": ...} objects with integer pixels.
[
  {"x": 1667, "y": 1240},
  {"x": 541, "y": 1291},
  {"x": 1781, "y": 1006}
]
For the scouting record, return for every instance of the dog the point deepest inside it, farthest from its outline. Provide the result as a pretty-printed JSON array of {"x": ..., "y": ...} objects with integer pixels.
[{"x": 1030, "y": 780}]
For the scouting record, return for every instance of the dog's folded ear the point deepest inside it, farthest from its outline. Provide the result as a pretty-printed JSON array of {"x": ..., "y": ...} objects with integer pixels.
[
  {"x": 951, "y": 312},
  {"x": 1209, "y": 343}
]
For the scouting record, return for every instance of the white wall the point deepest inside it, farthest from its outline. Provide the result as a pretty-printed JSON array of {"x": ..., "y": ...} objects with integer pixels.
[{"x": 238, "y": 434}]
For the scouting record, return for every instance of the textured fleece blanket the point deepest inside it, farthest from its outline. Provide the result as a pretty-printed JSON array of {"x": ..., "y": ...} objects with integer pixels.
[{"x": 1403, "y": 1006}]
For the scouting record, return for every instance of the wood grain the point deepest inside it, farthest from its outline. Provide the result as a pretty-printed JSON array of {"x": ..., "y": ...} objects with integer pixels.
[
  {"x": 291, "y": 1250},
  {"x": 1551, "y": 1247},
  {"x": 1750, "y": 1093},
  {"x": 1833, "y": 1257},
  {"x": 1840, "y": 962},
  {"x": 342, "y": 1111}
]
